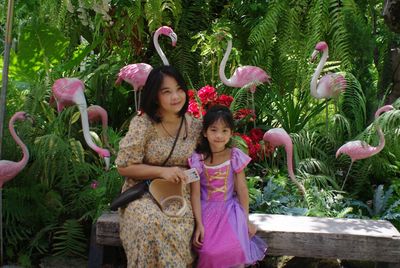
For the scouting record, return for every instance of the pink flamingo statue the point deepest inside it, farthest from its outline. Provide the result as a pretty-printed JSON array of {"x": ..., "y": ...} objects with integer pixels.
[
  {"x": 330, "y": 85},
  {"x": 244, "y": 76},
  {"x": 279, "y": 137},
  {"x": 98, "y": 113},
  {"x": 136, "y": 74},
  {"x": 357, "y": 150},
  {"x": 10, "y": 169},
  {"x": 68, "y": 92}
]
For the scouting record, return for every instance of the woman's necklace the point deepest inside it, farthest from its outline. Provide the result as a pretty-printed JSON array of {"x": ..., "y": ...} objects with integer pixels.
[
  {"x": 169, "y": 134},
  {"x": 165, "y": 129}
]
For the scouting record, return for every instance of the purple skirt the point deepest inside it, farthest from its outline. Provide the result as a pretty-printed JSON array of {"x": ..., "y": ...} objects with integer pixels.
[{"x": 226, "y": 240}]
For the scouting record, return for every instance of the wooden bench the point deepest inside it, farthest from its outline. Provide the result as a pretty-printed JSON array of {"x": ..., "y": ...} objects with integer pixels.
[{"x": 328, "y": 238}]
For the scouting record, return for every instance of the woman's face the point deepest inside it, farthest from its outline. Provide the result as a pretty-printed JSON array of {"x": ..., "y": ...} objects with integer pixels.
[{"x": 171, "y": 96}]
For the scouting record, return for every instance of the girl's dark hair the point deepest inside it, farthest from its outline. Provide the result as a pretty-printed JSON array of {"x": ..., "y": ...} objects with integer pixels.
[
  {"x": 149, "y": 103},
  {"x": 214, "y": 114}
]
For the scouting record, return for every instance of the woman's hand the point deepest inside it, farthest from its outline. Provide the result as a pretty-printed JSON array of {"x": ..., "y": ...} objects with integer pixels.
[
  {"x": 174, "y": 174},
  {"x": 252, "y": 229},
  {"x": 198, "y": 236}
]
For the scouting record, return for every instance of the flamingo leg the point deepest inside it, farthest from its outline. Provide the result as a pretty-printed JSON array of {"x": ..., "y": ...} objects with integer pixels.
[
  {"x": 345, "y": 179},
  {"x": 139, "y": 100},
  {"x": 135, "y": 100},
  {"x": 253, "y": 107},
  {"x": 326, "y": 115},
  {"x": 335, "y": 101}
]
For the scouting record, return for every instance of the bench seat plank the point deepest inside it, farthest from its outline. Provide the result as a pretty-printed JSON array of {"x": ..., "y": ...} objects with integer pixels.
[
  {"x": 349, "y": 239},
  {"x": 346, "y": 239}
]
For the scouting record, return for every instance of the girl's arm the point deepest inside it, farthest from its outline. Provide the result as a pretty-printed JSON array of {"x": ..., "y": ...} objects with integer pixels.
[
  {"x": 196, "y": 205},
  {"x": 145, "y": 172},
  {"x": 242, "y": 191},
  {"x": 243, "y": 196}
]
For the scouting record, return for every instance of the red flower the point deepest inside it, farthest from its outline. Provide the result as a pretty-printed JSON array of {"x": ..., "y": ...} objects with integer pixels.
[
  {"x": 194, "y": 109},
  {"x": 256, "y": 134},
  {"x": 243, "y": 113},
  {"x": 207, "y": 94},
  {"x": 191, "y": 93},
  {"x": 225, "y": 100}
]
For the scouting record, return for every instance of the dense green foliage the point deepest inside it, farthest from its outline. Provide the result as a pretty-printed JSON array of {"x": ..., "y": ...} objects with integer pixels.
[{"x": 50, "y": 206}]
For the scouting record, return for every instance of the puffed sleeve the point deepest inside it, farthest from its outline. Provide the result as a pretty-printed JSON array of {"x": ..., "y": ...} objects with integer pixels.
[
  {"x": 195, "y": 161},
  {"x": 132, "y": 146},
  {"x": 239, "y": 160}
]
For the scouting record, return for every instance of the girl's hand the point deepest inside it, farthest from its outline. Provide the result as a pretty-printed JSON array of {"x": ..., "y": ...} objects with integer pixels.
[
  {"x": 252, "y": 229},
  {"x": 174, "y": 174},
  {"x": 198, "y": 236}
]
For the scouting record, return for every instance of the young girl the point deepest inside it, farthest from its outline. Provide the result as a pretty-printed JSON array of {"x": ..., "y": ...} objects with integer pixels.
[{"x": 223, "y": 236}]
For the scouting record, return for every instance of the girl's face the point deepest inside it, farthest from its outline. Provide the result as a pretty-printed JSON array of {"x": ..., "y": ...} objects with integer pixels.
[
  {"x": 171, "y": 96},
  {"x": 218, "y": 135}
]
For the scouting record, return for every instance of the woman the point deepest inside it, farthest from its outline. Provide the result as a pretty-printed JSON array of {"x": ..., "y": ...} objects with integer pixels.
[{"x": 151, "y": 238}]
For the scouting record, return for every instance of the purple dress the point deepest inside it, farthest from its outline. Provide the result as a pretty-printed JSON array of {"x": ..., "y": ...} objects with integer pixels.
[{"x": 226, "y": 240}]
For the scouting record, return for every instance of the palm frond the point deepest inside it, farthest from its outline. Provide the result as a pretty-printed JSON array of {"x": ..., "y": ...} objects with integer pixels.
[{"x": 70, "y": 239}]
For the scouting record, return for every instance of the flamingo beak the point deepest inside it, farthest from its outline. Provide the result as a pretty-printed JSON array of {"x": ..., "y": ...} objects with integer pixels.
[
  {"x": 174, "y": 38},
  {"x": 107, "y": 161},
  {"x": 314, "y": 55}
]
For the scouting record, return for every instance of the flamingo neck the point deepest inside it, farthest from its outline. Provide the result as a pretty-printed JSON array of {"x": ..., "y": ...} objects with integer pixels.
[
  {"x": 289, "y": 159},
  {"x": 81, "y": 103},
  {"x": 381, "y": 140},
  {"x": 317, "y": 73},
  {"x": 158, "y": 48},
  {"x": 222, "y": 75},
  {"x": 24, "y": 148}
]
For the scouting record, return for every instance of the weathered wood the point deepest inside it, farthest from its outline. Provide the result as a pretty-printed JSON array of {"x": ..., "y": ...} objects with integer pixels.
[
  {"x": 347, "y": 239},
  {"x": 107, "y": 229}
]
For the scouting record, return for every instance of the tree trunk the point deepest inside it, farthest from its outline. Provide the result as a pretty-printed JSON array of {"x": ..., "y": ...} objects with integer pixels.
[
  {"x": 391, "y": 14},
  {"x": 395, "y": 60}
]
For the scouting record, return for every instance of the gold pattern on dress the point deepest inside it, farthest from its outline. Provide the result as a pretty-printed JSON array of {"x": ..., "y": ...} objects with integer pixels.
[{"x": 218, "y": 175}]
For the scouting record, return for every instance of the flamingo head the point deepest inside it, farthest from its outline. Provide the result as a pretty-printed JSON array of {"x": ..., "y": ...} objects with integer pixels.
[
  {"x": 167, "y": 31},
  {"x": 320, "y": 46},
  {"x": 22, "y": 116},
  {"x": 383, "y": 109},
  {"x": 105, "y": 154}
]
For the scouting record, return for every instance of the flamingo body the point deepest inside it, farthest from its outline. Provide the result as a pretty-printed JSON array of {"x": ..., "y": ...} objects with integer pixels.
[
  {"x": 10, "y": 169},
  {"x": 330, "y": 85},
  {"x": 243, "y": 76},
  {"x": 134, "y": 74},
  {"x": 69, "y": 91},
  {"x": 279, "y": 137},
  {"x": 357, "y": 150}
]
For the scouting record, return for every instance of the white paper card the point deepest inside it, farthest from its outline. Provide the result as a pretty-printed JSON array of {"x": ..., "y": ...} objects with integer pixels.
[{"x": 192, "y": 175}]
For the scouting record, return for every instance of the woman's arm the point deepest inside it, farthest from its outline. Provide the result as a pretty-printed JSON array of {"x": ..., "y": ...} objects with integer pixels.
[
  {"x": 196, "y": 205},
  {"x": 145, "y": 172}
]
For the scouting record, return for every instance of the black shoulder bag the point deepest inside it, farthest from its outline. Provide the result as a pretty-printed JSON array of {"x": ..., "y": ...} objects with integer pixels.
[{"x": 139, "y": 189}]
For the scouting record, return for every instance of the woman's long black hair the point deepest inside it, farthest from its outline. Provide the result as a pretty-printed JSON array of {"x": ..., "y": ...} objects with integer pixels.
[
  {"x": 149, "y": 103},
  {"x": 214, "y": 114}
]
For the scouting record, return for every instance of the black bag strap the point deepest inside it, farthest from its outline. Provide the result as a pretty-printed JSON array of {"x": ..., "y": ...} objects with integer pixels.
[{"x": 175, "y": 141}]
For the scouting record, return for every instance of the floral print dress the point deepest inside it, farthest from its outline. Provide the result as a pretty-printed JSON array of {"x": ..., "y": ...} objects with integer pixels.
[{"x": 151, "y": 238}]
